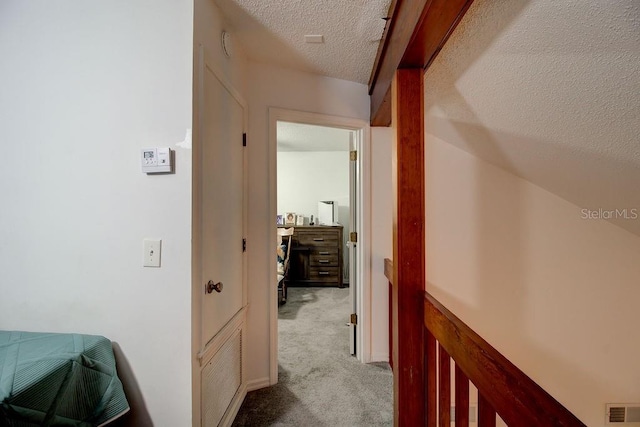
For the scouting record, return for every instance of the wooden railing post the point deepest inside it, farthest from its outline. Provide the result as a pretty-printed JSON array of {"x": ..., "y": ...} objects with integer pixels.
[
  {"x": 444, "y": 387},
  {"x": 408, "y": 248},
  {"x": 431, "y": 380},
  {"x": 462, "y": 398}
]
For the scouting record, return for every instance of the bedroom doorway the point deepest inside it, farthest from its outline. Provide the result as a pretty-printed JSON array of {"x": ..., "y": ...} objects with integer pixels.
[
  {"x": 341, "y": 144},
  {"x": 315, "y": 205}
]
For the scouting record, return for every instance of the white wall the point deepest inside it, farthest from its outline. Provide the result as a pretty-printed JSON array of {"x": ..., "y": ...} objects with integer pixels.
[
  {"x": 270, "y": 86},
  {"x": 86, "y": 85},
  {"x": 381, "y": 238},
  {"x": 554, "y": 292},
  {"x": 306, "y": 177},
  {"x": 500, "y": 248},
  {"x": 547, "y": 90}
]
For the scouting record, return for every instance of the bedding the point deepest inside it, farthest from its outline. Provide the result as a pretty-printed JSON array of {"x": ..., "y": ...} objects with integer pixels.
[{"x": 58, "y": 379}]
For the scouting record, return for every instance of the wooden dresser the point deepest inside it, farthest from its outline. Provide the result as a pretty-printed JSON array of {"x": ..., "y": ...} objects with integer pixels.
[{"x": 316, "y": 256}]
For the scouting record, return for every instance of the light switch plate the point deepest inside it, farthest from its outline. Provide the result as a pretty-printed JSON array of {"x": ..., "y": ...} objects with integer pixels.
[{"x": 152, "y": 250}]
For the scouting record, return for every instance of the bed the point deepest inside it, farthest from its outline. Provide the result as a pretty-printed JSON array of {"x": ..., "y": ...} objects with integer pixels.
[{"x": 58, "y": 379}]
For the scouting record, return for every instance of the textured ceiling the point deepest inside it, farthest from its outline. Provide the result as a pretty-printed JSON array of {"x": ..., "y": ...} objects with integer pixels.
[
  {"x": 273, "y": 32},
  {"x": 549, "y": 91}
]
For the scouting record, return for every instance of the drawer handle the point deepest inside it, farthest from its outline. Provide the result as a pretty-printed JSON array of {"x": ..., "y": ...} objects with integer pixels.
[
  {"x": 323, "y": 261},
  {"x": 323, "y": 253},
  {"x": 318, "y": 239},
  {"x": 323, "y": 273}
]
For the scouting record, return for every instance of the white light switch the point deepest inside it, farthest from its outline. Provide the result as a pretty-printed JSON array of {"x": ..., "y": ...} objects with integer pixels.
[{"x": 152, "y": 249}]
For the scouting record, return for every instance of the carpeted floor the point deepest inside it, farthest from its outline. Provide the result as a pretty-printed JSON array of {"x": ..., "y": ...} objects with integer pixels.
[{"x": 320, "y": 384}]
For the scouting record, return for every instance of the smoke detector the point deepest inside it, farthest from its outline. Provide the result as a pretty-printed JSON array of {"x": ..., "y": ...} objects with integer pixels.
[{"x": 314, "y": 38}]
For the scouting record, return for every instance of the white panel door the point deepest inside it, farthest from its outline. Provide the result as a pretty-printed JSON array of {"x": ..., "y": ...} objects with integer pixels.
[{"x": 222, "y": 163}]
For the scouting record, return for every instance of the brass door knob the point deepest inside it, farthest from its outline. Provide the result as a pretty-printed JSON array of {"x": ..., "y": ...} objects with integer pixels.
[{"x": 210, "y": 287}]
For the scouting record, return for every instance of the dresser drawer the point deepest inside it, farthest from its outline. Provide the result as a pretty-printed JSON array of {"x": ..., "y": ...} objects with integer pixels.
[
  {"x": 316, "y": 256},
  {"x": 317, "y": 238},
  {"x": 326, "y": 260},
  {"x": 323, "y": 274},
  {"x": 324, "y": 251}
]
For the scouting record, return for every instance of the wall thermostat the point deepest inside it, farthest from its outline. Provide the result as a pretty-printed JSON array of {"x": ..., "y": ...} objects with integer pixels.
[{"x": 157, "y": 160}]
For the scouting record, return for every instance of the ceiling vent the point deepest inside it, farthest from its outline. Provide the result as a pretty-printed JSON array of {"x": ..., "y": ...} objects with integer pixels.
[{"x": 623, "y": 414}]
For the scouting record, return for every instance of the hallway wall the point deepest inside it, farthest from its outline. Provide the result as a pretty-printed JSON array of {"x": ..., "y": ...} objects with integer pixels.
[
  {"x": 531, "y": 123},
  {"x": 553, "y": 292},
  {"x": 85, "y": 86},
  {"x": 381, "y": 237}
]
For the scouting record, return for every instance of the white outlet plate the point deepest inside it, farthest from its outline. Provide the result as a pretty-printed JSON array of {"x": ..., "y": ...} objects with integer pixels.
[{"x": 152, "y": 250}]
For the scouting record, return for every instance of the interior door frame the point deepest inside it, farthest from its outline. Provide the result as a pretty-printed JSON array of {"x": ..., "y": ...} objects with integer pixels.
[{"x": 363, "y": 348}]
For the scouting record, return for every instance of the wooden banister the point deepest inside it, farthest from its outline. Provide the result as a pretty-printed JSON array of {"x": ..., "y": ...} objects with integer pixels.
[
  {"x": 507, "y": 390},
  {"x": 503, "y": 389}
]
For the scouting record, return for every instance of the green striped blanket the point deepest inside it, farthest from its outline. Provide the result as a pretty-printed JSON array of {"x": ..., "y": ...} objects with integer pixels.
[{"x": 58, "y": 380}]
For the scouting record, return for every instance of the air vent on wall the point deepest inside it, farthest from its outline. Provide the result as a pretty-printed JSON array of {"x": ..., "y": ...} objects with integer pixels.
[
  {"x": 623, "y": 414},
  {"x": 221, "y": 378}
]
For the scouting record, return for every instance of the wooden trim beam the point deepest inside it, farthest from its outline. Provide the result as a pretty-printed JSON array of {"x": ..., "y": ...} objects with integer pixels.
[
  {"x": 415, "y": 34},
  {"x": 441, "y": 18},
  {"x": 403, "y": 17},
  {"x": 408, "y": 249}
]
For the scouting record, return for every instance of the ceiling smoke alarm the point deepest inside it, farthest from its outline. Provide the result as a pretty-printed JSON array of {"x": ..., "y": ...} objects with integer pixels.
[{"x": 314, "y": 38}]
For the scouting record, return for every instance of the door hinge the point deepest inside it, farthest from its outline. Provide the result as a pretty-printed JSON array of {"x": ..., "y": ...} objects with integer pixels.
[
  {"x": 244, "y": 139},
  {"x": 353, "y": 155},
  {"x": 244, "y": 245},
  {"x": 354, "y": 319},
  {"x": 353, "y": 237}
]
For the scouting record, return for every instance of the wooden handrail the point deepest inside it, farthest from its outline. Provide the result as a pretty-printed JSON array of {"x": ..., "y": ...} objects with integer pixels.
[
  {"x": 512, "y": 394},
  {"x": 503, "y": 389}
]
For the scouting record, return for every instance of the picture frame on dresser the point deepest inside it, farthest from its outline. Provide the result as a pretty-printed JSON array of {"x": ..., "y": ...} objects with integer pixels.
[{"x": 289, "y": 218}]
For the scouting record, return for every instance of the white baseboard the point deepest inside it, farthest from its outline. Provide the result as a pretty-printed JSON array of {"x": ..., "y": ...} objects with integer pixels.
[
  {"x": 379, "y": 357},
  {"x": 258, "y": 384}
]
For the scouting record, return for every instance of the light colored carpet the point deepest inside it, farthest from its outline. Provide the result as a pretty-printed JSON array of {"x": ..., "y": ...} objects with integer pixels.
[{"x": 320, "y": 384}]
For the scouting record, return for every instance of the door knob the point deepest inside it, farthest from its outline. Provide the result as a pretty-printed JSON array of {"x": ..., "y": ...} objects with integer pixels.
[{"x": 210, "y": 287}]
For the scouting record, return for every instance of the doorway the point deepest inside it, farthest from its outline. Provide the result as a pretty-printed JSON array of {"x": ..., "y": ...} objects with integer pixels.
[{"x": 357, "y": 133}]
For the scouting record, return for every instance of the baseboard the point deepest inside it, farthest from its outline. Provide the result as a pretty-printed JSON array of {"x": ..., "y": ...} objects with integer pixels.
[
  {"x": 379, "y": 357},
  {"x": 234, "y": 407},
  {"x": 258, "y": 384}
]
